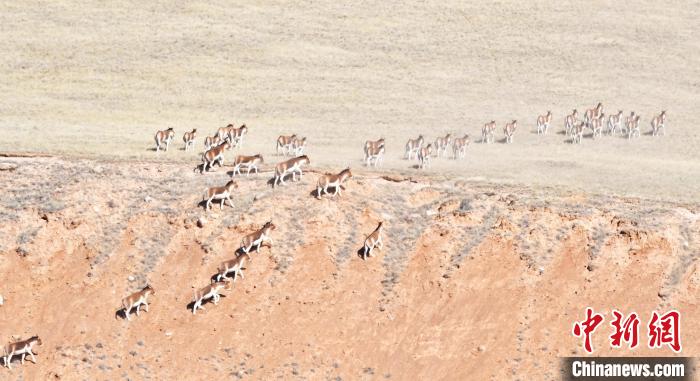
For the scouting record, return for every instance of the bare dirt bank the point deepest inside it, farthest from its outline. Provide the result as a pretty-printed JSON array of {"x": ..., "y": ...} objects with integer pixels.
[{"x": 475, "y": 282}]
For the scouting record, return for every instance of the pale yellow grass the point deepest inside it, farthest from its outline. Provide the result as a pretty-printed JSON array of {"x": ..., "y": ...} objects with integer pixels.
[{"x": 99, "y": 79}]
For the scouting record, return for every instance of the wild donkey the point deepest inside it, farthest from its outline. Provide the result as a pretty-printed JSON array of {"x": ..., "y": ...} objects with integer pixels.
[
  {"x": 137, "y": 299},
  {"x": 20, "y": 348}
]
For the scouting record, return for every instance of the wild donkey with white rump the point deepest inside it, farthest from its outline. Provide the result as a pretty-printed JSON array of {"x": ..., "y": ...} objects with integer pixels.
[
  {"x": 137, "y": 299},
  {"x": 20, "y": 348}
]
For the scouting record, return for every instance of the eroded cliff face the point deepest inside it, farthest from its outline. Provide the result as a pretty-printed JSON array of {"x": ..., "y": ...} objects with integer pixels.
[{"x": 475, "y": 281}]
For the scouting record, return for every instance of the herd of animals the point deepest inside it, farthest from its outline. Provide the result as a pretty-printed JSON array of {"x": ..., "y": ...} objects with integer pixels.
[{"x": 230, "y": 137}]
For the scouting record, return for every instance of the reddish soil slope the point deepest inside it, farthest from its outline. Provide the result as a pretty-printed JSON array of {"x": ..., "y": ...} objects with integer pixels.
[{"x": 474, "y": 282}]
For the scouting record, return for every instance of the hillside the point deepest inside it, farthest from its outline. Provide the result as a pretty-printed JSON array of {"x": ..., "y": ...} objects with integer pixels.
[{"x": 476, "y": 281}]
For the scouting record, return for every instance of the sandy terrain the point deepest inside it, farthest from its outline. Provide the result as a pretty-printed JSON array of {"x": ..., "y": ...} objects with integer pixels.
[
  {"x": 488, "y": 260},
  {"x": 100, "y": 80},
  {"x": 475, "y": 282}
]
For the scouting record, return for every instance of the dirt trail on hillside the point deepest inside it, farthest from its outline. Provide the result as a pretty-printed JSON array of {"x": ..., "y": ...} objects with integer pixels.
[{"x": 474, "y": 282}]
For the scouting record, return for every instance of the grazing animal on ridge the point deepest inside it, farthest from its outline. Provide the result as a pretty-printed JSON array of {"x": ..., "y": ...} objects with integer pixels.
[
  {"x": 413, "y": 146},
  {"x": 224, "y": 133},
  {"x": 441, "y": 144},
  {"x": 335, "y": 181},
  {"x": 21, "y": 348},
  {"x": 290, "y": 166},
  {"x": 658, "y": 124},
  {"x": 487, "y": 132},
  {"x": 210, "y": 291},
  {"x": 614, "y": 122},
  {"x": 373, "y": 240},
  {"x": 285, "y": 143},
  {"x": 220, "y": 193},
  {"x": 257, "y": 238},
  {"x": 633, "y": 127},
  {"x": 597, "y": 125},
  {"x": 374, "y": 154},
  {"x": 214, "y": 155},
  {"x": 509, "y": 130},
  {"x": 247, "y": 162},
  {"x": 592, "y": 113},
  {"x": 577, "y": 132},
  {"x": 424, "y": 156},
  {"x": 459, "y": 147},
  {"x": 374, "y": 150},
  {"x": 164, "y": 138},
  {"x": 373, "y": 144},
  {"x": 570, "y": 122},
  {"x": 137, "y": 299},
  {"x": 234, "y": 266},
  {"x": 543, "y": 122},
  {"x": 213, "y": 141},
  {"x": 628, "y": 121},
  {"x": 236, "y": 135},
  {"x": 298, "y": 145},
  {"x": 188, "y": 138}
]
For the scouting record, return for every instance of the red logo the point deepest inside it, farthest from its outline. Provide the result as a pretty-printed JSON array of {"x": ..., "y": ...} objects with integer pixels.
[
  {"x": 589, "y": 325},
  {"x": 663, "y": 329},
  {"x": 627, "y": 330}
]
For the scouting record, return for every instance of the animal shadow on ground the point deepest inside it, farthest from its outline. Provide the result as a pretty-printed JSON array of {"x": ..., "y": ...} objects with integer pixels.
[
  {"x": 561, "y": 132},
  {"x": 314, "y": 192},
  {"x": 361, "y": 250},
  {"x": 502, "y": 141},
  {"x": 18, "y": 359},
  {"x": 271, "y": 182},
  {"x": 232, "y": 277},
  {"x": 152, "y": 149},
  {"x": 200, "y": 166},
  {"x": 244, "y": 175},
  {"x": 252, "y": 252},
  {"x": 204, "y": 302},
  {"x": 648, "y": 133},
  {"x": 121, "y": 313},
  {"x": 215, "y": 204}
]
